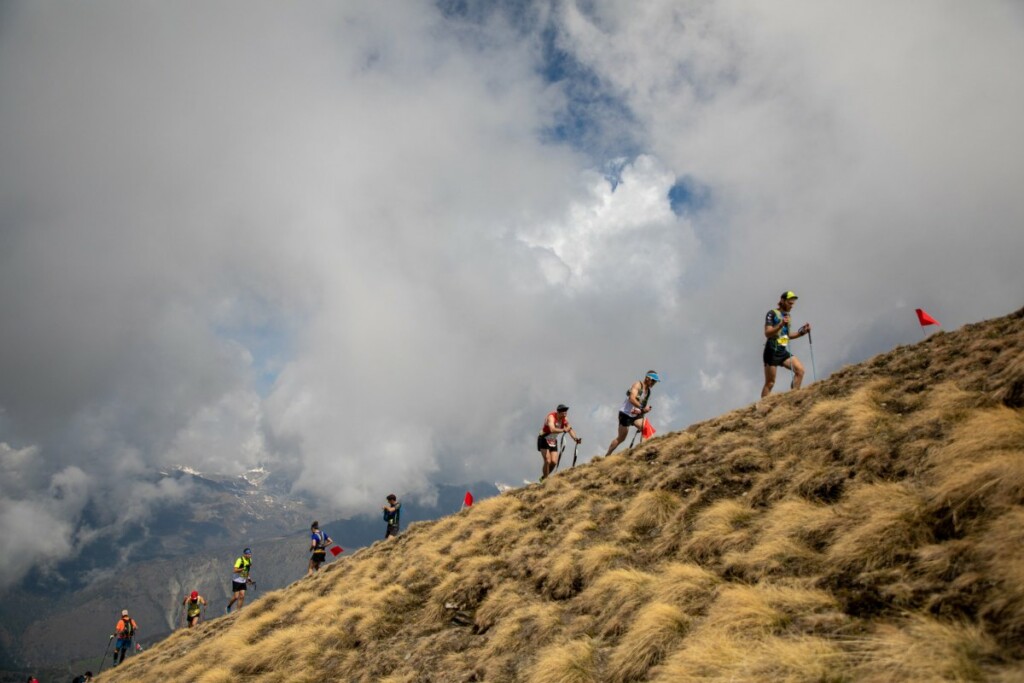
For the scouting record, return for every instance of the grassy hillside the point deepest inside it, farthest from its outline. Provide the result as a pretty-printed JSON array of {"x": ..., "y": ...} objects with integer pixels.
[{"x": 868, "y": 528}]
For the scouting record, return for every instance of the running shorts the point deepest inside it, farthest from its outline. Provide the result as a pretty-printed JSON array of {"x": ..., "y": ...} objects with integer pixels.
[
  {"x": 543, "y": 445},
  {"x": 627, "y": 420},
  {"x": 775, "y": 355}
]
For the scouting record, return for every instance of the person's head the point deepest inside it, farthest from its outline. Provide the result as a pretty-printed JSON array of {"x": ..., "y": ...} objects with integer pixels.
[
  {"x": 651, "y": 378},
  {"x": 195, "y": 595},
  {"x": 124, "y": 614},
  {"x": 247, "y": 552},
  {"x": 562, "y": 409},
  {"x": 392, "y": 498},
  {"x": 315, "y": 526},
  {"x": 787, "y": 299},
  {"x": 88, "y": 675}
]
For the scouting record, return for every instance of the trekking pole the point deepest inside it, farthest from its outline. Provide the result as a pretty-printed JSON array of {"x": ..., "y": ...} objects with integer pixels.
[
  {"x": 638, "y": 431},
  {"x": 109, "y": 641},
  {"x": 575, "y": 452},
  {"x": 640, "y": 428},
  {"x": 561, "y": 449},
  {"x": 810, "y": 343}
]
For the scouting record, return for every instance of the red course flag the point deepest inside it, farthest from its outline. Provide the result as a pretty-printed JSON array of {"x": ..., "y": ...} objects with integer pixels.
[
  {"x": 648, "y": 430},
  {"x": 468, "y": 500},
  {"x": 925, "y": 319},
  {"x": 337, "y": 550}
]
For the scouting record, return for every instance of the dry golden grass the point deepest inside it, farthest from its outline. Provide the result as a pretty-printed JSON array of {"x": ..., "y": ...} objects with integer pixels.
[
  {"x": 687, "y": 586},
  {"x": 529, "y": 625},
  {"x": 979, "y": 471},
  {"x": 1001, "y": 548},
  {"x": 463, "y": 589},
  {"x": 497, "y": 605},
  {"x": 656, "y": 630},
  {"x": 616, "y": 597},
  {"x": 572, "y": 662},
  {"x": 720, "y": 659},
  {"x": 868, "y": 528},
  {"x": 876, "y": 526},
  {"x": 562, "y": 578},
  {"x": 599, "y": 558},
  {"x": 719, "y": 528},
  {"x": 782, "y": 545},
  {"x": 923, "y": 649},
  {"x": 995, "y": 429},
  {"x": 649, "y": 511}
]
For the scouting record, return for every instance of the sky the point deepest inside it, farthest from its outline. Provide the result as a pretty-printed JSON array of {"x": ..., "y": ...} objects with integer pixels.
[{"x": 370, "y": 246}]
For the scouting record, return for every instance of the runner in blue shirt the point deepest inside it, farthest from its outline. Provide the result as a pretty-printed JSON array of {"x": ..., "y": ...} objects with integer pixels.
[{"x": 776, "y": 348}]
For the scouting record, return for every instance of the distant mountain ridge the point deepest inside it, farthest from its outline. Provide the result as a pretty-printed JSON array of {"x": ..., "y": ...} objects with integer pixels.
[{"x": 192, "y": 547}]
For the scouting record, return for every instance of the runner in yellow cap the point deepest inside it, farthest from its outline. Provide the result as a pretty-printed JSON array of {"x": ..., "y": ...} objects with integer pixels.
[{"x": 776, "y": 348}]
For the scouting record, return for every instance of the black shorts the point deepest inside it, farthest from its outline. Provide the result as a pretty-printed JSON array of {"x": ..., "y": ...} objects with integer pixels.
[
  {"x": 237, "y": 586},
  {"x": 318, "y": 557},
  {"x": 775, "y": 355},
  {"x": 192, "y": 618},
  {"x": 543, "y": 445},
  {"x": 628, "y": 420},
  {"x": 391, "y": 531}
]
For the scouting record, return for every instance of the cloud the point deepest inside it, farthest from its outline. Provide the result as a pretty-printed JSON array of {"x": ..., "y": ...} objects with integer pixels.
[{"x": 371, "y": 246}]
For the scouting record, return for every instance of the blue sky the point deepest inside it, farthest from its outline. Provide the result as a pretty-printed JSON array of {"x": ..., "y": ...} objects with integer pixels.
[{"x": 325, "y": 237}]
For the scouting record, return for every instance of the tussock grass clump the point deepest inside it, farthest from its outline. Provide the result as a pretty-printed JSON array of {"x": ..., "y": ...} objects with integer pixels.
[
  {"x": 687, "y": 586},
  {"x": 277, "y": 653},
  {"x": 877, "y": 526},
  {"x": 763, "y": 609},
  {"x": 499, "y": 603},
  {"x": 783, "y": 542},
  {"x": 599, "y": 558},
  {"x": 713, "y": 658},
  {"x": 721, "y": 527},
  {"x": 572, "y": 662},
  {"x": 350, "y": 628},
  {"x": 656, "y": 630},
  {"x": 577, "y": 536},
  {"x": 980, "y": 471},
  {"x": 1002, "y": 548},
  {"x": 615, "y": 598},
  {"x": 650, "y": 510},
  {"x": 529, "y": 625},
  {"x": 924, "y": 649},
  {"x": 217, "y": 674},
  {"x": 463, "y": 590},
  {"x": 562, "y": 579}
]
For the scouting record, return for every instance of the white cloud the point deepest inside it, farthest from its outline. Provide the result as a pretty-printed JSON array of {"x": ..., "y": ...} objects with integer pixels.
[{"x": 344, "y": 241}]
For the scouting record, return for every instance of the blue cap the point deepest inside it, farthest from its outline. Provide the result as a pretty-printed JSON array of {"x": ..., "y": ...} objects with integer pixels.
[
  {"x": 653, "y": 375},
  {"x": 247, "y": 551}
]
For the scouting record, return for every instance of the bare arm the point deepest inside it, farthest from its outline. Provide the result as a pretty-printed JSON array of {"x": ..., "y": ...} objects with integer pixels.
[{"x": 634, "y": 395}]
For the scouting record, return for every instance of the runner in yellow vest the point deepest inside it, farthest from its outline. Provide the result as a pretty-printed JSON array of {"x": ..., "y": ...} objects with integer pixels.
[
  {"x": 240, "y": 579},
  {"x": 776, "y": 348},
  {"x": 194, "y": 605}
]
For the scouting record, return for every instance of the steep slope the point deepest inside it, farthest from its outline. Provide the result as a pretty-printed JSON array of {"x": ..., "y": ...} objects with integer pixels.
[
  {"x": 870, "y": 528},
  {"x": 62, "y": 627}
]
